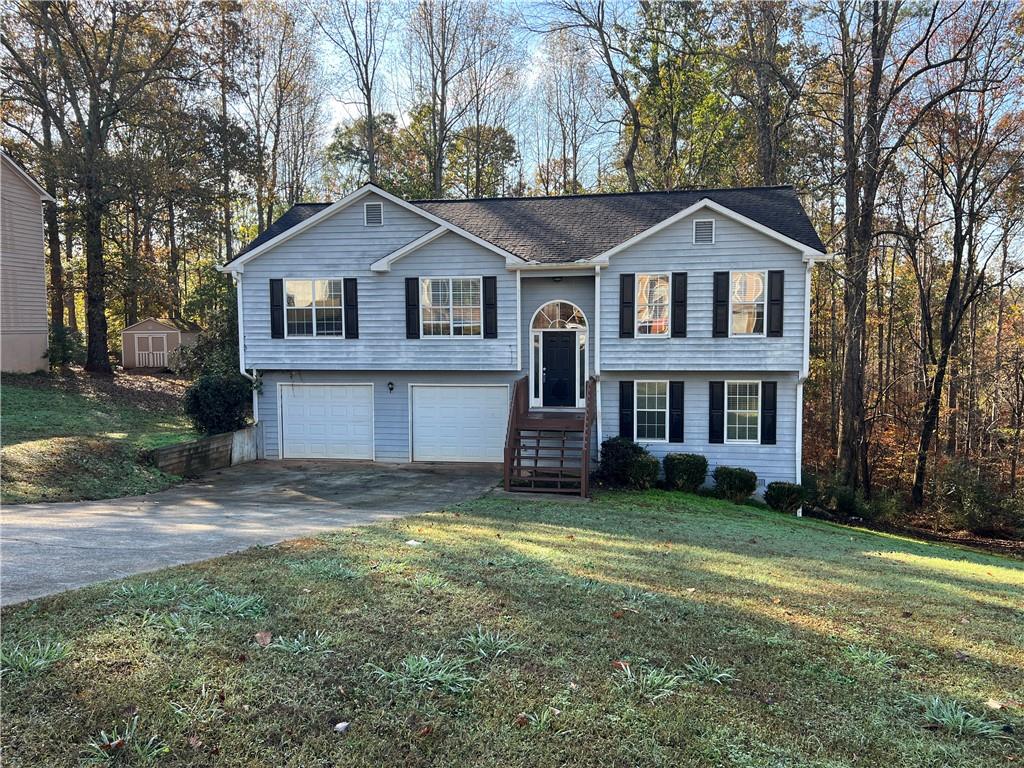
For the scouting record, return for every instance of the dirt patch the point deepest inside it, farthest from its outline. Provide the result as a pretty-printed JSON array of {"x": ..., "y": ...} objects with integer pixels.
[{"x": 146, "y": 391}]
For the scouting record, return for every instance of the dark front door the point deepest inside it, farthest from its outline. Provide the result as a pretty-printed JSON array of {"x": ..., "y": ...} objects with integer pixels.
[{"x": 559, "y": 368}]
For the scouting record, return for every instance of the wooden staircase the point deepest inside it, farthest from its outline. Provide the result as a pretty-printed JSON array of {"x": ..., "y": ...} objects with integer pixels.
[{"x": 548, "y": 451}]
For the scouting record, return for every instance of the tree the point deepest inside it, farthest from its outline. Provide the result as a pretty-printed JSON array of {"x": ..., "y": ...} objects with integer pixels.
[
  {"x": 479, "y": 160},
  {"x": 104, "y": 55},
  {"x": 886, "y": 53},
  {"x": 359, "y": 29}
]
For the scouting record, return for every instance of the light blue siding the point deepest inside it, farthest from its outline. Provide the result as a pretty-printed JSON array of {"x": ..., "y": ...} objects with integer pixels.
[
  {"x": 770, "y": 462},
  {"x": 391, "y": 408},
  {"x": 341, "y": 246},
  {"x": 736, "y": 247}
]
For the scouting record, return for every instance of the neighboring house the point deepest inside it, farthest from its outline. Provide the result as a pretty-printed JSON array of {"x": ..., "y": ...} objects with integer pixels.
[
  {"x": 24, "y": 329},
  {"x": 401, "y": 331},
  {"x": 154, "y": 343}
]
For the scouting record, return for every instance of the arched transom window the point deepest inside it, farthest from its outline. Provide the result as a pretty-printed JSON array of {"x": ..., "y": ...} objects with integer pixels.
[{"x": 559, "y": 315}]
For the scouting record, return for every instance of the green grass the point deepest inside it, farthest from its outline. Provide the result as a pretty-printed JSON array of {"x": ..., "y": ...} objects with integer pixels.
[
  {"x": 70, "y": 437},
  {"x": 652, "y": 629}
]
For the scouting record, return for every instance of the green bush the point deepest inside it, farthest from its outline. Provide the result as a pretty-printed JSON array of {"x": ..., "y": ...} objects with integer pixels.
[
  {"x": 734, "y": 483},
  {"x": 66, "y": 346},
  {"x": 685, "y": 471},
  {"x": 218, "y": 403},
  {"x": 784, "y": 497},
  {"x": 625, "y": 464},
  {"x": 966, "y": 498}
]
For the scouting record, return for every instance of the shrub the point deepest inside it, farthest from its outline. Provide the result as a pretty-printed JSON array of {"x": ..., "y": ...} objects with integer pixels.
[
  {"x": 734, "y": 483},
  {"x": 218, "y": 403},
  {"x": 846, "y": 501},
  {"x": 812, "y": 488},
  {"x": 784, "y": 497},
  {"x": 66, "y": 346},
  {"x": 685, "y": 471},
  {"x": 624, "y": 464},
  {"x": 968, "y": 499}
]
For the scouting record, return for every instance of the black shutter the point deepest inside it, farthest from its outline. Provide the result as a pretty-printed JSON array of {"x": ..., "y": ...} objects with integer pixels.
[
  {"x": 769, "y": 390},
  {"x": 678, "y": 305},
  {"x": 675, "y": 411},
  {"x": 351, "y": 308},
  {"x": 412, "y": 307},
  {"x": 627, "y": 297},
  {"x": 720, "y": 317},
  {"x": 626, "y": 409},
  {"x": 277, "y": 308},
  {"x": 716, "y": 412},
  {"x": 776, "y": 285},
  {"x": 490, "y": 307}
]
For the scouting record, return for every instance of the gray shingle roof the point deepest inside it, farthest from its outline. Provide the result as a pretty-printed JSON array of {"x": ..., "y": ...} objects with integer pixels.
[
  {"x": 573, "y": 227},
  {"x": 563, "y": 229}
]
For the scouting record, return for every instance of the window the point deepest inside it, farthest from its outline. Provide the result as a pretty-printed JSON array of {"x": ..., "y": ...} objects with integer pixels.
[
  {"x": 651, "y": 411},
  {"x": 373, "y": 214},
  {"x": 742, "y": 411},
  {"x": 747, "y": 301},
  {"x": 451, "y": 306},
  {"x": 314, "y": 308},
  {"x": 704, "y": 232},
  {"x": 653, "y": 297}
]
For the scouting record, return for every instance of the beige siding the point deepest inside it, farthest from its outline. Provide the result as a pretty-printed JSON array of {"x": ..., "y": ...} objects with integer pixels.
[{"x": 23, "y": 320}]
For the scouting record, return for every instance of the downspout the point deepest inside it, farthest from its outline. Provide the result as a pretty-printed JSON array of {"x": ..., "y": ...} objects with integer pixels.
[
  {"x": 597, "y": 351},
  {"x": 804, "y": 372},
  {"x": 237, "y": 278}
]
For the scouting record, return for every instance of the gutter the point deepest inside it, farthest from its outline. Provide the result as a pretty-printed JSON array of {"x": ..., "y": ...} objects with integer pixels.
[{"x": 236, "y": 278}]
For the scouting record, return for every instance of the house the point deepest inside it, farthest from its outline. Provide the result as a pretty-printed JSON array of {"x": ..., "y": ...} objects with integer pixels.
[
  {"x": 154, "y": 343},
  {"x": 527, "y": 330},
  {"x": 24, "y": 328}
]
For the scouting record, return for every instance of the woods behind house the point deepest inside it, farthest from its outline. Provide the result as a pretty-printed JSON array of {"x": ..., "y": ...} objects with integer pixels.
[{"x": 171, "y": 133}]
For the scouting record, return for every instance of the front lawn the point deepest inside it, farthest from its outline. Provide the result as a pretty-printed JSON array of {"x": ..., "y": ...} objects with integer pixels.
[
  {"x": 69, "y": 436},
  {"x": 650, "y": 629}
]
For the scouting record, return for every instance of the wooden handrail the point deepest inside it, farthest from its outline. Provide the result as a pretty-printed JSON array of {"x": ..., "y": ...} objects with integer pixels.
[
  {"x": 519, "y": 405},
  {"x": 589, "y": 416}
]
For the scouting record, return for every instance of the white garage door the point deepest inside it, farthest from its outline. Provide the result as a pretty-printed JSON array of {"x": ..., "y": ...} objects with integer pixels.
[
  {"x": 327, "y": 421},
  {"x": 463, "y": 423}
]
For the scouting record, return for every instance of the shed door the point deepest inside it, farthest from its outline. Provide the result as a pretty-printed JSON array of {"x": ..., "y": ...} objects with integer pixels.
[
  {"x": 327, "y": 421},
  {"x": 459, "y": 423}
]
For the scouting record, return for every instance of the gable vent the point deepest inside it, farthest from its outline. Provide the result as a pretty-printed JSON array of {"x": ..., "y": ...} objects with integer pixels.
[
  {"x": 704, "y": 232},
  {"x": 373, "y": 214}
]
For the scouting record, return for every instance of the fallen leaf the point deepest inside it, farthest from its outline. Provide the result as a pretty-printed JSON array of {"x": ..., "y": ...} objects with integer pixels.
[
  {"x": 195, "y": 742},
  {"x": 425, "y": 731},
  {"x": 263, "y": 639},
  {"x": 617, "y": 614},
  {"x": 620, "y": 664},
  {"x": 776, "y": 600},
  {"x": 521, "y": 720}
]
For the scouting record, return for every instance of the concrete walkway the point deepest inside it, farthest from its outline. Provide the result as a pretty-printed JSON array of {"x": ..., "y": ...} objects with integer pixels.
[{"x": 49, "y": 548}]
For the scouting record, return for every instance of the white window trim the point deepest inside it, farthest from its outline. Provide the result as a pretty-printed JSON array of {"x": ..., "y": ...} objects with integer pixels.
[
  {"x": 725, "y": 413},
  {"x": 636, "y": 307},
  {"x": 367, "y": 205},
  {"x": 636, "y": 421},
  {"x": 314, "y": 335},
  {"x": 764, "y": 301},
  {"x": 451, "y": 308},
  {"x": 714, "y": 231}
]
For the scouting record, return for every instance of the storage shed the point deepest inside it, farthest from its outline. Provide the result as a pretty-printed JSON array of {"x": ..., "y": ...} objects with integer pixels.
[{"x": 154, "y": 342}]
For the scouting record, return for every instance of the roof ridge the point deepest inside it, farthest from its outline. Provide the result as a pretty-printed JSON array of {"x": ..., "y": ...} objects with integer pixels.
[{"x": 580, "y": 195}]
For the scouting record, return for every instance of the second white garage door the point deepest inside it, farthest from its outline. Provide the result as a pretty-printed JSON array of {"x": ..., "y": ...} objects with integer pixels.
[
  {"x": 458, "y": 423},
  {"x": 327, "y": 421}
]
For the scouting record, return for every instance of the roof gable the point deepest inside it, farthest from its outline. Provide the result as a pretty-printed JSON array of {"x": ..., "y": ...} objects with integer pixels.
[{"x": 301, "y": 217}]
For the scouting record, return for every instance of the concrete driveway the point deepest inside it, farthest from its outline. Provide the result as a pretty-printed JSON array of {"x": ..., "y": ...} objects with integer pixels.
[{"x": 48, "y": 548}]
